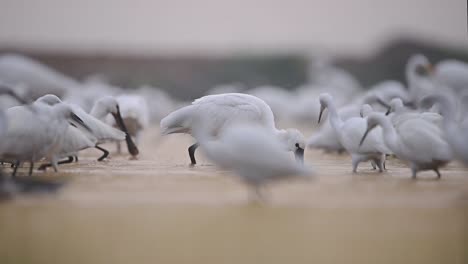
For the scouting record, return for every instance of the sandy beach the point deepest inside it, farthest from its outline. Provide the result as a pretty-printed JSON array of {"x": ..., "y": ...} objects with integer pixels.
[{"x": 158, "y": 209}]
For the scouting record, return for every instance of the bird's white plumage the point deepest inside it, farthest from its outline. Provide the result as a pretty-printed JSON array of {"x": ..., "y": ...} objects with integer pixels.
[
  {"x": 35, "y": 132},
  {"x": 350, "y": 133},
  {"x": 223, "y": 110},
  {"x": 251, "y": 152},
  {"x": 416, "y": 141},
  {"x": 456, "y": 133}
]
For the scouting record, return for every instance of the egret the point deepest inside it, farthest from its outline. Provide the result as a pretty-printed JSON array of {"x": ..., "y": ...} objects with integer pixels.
[
  {"x": 350, "y": 131},
  {"x": 415, "y": 140}
]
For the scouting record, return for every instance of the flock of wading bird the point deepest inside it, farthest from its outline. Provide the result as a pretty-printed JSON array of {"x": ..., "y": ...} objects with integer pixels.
[{"x": 423, "y": 124}]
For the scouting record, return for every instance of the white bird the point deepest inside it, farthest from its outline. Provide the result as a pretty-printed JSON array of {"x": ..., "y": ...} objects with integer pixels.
[
  {"x": 37, "y": 78},
  {"x": 326, "y": 138},
  {"x": 102, "y": 131},
  {"x": 415, "y": 140},
  {"x": 223, "y": 110},
  {"x": 385, "y": 91},
  {"x": 456, "y": 133},
  {"x": 35, "y": 132},
  {"x": 73, "y": 141},
  {"x": 252, "y": 152},
  {"x": 418, "y": 75},
  {"x": 350, "y": 132},
  {"x": 135, "y": 115},
  {"x": 398, "y": 114},
  {"x": 99, "y": 131},
  {"x": 378, "y": 95}
]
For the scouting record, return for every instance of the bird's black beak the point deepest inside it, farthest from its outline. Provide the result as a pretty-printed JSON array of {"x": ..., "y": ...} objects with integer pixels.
[
  {"x": 79, "y": 121},
  {"x": 321, "y": 112},
  {"x": 389, "y": 110},
  {"x": 132, "y": 148},
  {"x": 299, "y": 155},
  {"x": 365, "y": 135}
]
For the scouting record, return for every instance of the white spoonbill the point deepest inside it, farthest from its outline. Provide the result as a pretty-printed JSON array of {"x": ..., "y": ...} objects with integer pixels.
[
  {"x": 135, "y": 115},
  {"x": 242, "y": 148},
  {"x": 456, "y": 133},
  {"x": 99, "y": 131},
  {"x": 350, "y": 132},
  {"x": 35, "y": 132},
  {"x": 223, "y": 110},
  {"x": 415, "y": 140},
  {"x": 105, "y": 133}
]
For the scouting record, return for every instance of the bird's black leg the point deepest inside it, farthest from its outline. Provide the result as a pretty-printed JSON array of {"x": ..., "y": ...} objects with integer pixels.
[
  {"x": 76, "y": 158},
  {"x": 31, "y": 167},
  {"x": 106, "y": 153},
  {"x": 191, "y": 151},
  {"x": 46, "y": 165},
  {"x": 438, "y": 173},
  {"x": 15, "y": 168}
]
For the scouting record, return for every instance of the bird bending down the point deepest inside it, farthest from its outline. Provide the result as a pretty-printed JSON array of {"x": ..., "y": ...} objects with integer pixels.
[
  {"x": 36, "y": 131},
  {"x": 252, "y": 152},
  {"x": 135, "y": 115},
  {"x": 222, "y": 110},
  {"x": 101, "y": 109},
  {"x": 350, "y": 132},
  {"x": 417, "y": 141}
]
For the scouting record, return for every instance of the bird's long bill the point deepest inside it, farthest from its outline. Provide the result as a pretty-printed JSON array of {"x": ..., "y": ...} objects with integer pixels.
[
  {"x": 365, "y": 135},
  {"x": 79, "y": 121},
  {"x": 389, "y": 110},
  {"x": 299, "y": 155},
  {"x": 321, "y": 112},
  {"x": 132, "y": 148}
]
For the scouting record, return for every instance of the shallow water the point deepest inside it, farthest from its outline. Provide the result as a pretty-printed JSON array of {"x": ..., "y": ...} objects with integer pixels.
[{"x": 159, "y": 210}]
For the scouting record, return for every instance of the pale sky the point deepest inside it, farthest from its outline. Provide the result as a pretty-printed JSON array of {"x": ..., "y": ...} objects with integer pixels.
[{"x": 227, "y": 26}]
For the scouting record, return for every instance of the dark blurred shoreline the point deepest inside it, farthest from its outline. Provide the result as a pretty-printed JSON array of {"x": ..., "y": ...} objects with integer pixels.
[{"x": 188, "y": 77}]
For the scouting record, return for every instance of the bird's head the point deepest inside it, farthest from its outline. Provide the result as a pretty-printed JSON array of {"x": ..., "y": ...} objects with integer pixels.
[
  {"x": 395, "y": 104},
  {"x": 420, "y": 65},
  {"x": 325, "y": 100},
  {"x": 373, "y": 121},
  {"x": 366, "y": 110},
  {"x": 293, "y": 140}
]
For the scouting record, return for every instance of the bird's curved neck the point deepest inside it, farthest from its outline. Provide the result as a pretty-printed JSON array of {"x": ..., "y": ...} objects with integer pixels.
[
  {"x": 334, "y": 116},
  {"x": 390, "y": 135}
]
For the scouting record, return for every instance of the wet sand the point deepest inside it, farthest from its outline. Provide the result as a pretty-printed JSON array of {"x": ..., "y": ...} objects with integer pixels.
[{"x": 157, "y": 209}]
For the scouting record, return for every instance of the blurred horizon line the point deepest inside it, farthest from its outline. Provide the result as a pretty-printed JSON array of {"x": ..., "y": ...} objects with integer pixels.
[{"x": 183, "y": 52}]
